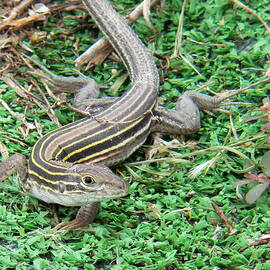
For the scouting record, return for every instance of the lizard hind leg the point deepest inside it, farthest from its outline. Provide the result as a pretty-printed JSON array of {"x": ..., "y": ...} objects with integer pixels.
[
  {"x": 86, "y": 92},
  {"x": 186, "y": 118},
  {"x": 86, "y": 89}
]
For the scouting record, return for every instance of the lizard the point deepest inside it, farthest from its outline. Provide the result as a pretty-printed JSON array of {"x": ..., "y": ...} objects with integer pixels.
[{"x": 70, "y": 165}]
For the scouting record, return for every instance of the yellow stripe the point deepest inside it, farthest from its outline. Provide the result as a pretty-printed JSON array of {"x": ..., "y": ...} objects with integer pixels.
[
  {"x": 66, "y": 135},
  {"x": 69, "y": 138},
  {"x": 73, "y": 141},
  {"x": 101, "y": 141},
  {"x": 31, "y": 182},
  {"x": 51, "y": 181},
  {"x": 40, "y": 166},
  {"x": 52, "y": 133},
  {"x": 113, "y": 147},
  {"x": 103, "y": 158},
  {"x": 41, "y": 177},
  {"x": 50, "y": 172}
]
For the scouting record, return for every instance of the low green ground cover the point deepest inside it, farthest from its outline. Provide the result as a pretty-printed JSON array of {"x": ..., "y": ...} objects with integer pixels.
[{"x": 167, "y": 221}]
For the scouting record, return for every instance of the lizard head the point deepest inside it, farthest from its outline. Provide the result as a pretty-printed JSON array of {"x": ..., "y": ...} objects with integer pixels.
[
  {"x": 94, "y": 182},
  {"x": 82, "y": 184}
]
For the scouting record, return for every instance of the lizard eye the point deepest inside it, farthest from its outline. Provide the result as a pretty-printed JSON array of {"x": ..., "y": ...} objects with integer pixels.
[{"x": 88, "y": 180}]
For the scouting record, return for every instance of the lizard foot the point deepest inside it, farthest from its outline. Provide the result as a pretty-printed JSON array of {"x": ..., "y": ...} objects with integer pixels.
[{"x": 84, "y": 217}]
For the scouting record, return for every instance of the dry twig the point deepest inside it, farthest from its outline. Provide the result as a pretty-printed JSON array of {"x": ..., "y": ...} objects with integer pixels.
[
  {"x": 15, "y": 12},
  {"x": 179, "y": 34},
  {"x": 225, "y": 220},
  {"x": 146, "y": 14},
  {"x": 49, "y": 109},
  {"x": 3, "y": 150},
  {"x": 27, "y": 126},
  {"x": 249, "y": 10},
  {"x": 265, "y": 239},
  {"x": 34, "y": 15}
]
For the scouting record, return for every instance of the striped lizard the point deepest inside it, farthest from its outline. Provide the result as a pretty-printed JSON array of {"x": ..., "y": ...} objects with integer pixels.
[{"x": 69, "y": 166}]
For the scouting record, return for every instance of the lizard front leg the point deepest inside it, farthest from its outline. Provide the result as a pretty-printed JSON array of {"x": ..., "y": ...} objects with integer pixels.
[
  {"x": 16, "y": 162},
  {"x": 84, "y": 217}
]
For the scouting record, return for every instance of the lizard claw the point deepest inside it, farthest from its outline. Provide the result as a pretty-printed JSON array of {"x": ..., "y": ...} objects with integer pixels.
[
  {"x": 85, "y": 216},
  {"x": 76, "y": 224}
]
